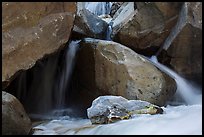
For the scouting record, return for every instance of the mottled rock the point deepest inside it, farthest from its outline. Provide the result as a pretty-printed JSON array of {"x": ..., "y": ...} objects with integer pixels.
[
  {"x": 88, "y": 24},
  {"x": 31, "y": 30},
  {"x": 15, "y": 121},
  {"x": 109, "y": 68},
  {"x": 109, "y": 109}
]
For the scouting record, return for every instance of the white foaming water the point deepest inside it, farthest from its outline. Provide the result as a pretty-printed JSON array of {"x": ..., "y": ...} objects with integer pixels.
[
  {"x": 99, "y": 8},
  {"x": 188, "y": 92},
  {"x": 176, "y": 120}
]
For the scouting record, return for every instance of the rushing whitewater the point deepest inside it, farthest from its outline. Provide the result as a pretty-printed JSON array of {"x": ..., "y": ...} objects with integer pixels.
[{"x": 176, "y": 120}]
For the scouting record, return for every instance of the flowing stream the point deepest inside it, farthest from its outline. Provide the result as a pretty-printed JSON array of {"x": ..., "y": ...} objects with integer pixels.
[
  {"x": 188, "y": 92},
  {"x": 185, "y": 118},
  {"x": 176, "y": 120}
]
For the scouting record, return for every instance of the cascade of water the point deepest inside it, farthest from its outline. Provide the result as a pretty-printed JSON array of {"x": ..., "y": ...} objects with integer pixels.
[
  {"x": 46, "y": 94},
  {"x": 99, "y": 8},
  {"x": 65, "y": 76},
  {"x": 188, "y": 92}
]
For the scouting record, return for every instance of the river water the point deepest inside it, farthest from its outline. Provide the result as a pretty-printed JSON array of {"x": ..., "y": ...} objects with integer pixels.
[
  {"x": 185, "y": 119},
  {"x": 176, "y": 120}
]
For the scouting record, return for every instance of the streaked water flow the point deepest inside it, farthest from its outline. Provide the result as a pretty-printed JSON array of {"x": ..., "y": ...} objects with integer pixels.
[{"x": 187, "y": 91}]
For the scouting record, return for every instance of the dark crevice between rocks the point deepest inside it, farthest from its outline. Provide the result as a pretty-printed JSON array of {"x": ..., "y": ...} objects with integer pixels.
[
  {"x": 164, "y": 58},
  {"x": 29, "y": 86},
  {"x": 148, "y": 52}
]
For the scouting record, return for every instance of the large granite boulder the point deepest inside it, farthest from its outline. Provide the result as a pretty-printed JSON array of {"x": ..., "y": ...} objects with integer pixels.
[
  {"x": 109, "y": 68},
  {"x": 15, "y": 121},
  {"x": 30, "y": 30},
  {"x": 145, "y": 29},
  {"x": 182, "y": 50},
  {"x": 108, "y": 109}
]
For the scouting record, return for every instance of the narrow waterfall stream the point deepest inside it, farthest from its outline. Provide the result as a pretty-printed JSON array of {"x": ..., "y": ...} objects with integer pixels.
[
  {"x": 183, "y": 118},
  {"x": 109, "y": 31},
  {"x": 65, "y": 77},
  {"x": 61, "y": 109},
  {"x": 43, "y": 89},
  {"x": 189, "y": 93}
]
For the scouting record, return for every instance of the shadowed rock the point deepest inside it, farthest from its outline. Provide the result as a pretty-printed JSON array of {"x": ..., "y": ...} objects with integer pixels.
[{"x": 15, "y": 121}]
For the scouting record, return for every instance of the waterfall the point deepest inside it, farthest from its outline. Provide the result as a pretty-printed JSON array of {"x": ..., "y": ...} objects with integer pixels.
[
  {"x": 99, "y": 8},
  {"x": 66, "y": 73},
  {"x": 188, "y": 92},
  {"x": 44, "y": 89},
  {"x": 180, "y": 119},
  {"x": 65, "y": 79}
]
